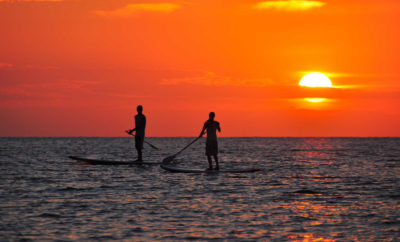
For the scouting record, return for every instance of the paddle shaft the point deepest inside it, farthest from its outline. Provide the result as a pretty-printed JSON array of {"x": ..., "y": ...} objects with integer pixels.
[
  {"x": 184, "y": 148},
  {"x": 151, "y": 145}
]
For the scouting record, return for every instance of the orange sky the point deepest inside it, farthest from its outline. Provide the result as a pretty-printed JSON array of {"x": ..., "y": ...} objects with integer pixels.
[{"x": 80, "y": 67}]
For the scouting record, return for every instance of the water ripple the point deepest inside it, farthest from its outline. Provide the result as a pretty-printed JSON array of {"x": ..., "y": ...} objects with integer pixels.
[{"x": 309, "y": 189}]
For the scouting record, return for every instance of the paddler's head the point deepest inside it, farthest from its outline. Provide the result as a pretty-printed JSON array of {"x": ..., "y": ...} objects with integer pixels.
[
  {"x": 211, "y": 115},
  {"x": 139, "y": 109}
]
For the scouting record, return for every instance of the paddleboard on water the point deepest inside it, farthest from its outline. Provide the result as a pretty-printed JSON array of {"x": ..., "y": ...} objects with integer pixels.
[
  {"x": 173, "y": 168},
  {"x": 111, "y": 162}
]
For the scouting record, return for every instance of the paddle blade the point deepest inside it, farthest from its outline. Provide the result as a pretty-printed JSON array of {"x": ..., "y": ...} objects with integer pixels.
[{"x": 168, "y": 159}]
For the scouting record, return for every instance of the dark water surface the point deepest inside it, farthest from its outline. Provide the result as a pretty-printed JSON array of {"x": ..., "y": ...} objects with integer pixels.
[{"x": 309, "y": 189}]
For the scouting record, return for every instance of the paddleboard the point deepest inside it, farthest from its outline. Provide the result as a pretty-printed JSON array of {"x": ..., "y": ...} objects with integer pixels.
[
  {"x": 173, "y": 168},
  {"x": 111, "y": 162}
]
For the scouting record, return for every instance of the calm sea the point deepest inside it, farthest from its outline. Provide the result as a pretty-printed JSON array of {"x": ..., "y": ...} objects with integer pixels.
[{"x": 308, "y": 189}]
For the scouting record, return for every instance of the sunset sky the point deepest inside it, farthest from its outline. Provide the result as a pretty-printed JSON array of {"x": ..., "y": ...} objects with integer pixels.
[{"x": 80, "y": 67}]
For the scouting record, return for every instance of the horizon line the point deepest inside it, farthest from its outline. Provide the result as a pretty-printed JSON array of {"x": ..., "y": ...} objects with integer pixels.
[{"x": 202, "y": 137}]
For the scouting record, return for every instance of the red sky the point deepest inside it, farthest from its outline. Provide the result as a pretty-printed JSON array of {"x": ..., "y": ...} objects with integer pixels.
[{"x": 80, "y": 67}]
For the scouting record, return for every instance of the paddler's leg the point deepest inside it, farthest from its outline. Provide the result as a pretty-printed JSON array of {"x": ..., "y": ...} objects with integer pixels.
[
  {"x": 216, "y": 162},
  {"x": 209, "y": 162},
  {"x": 139, "y": 146},
  {"x": 139, "y": 155}
]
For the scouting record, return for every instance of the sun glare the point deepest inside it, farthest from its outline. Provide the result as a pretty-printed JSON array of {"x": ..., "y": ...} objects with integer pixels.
[
  {"x": 315, "y": 100},
  {"x": 315, "y": 79}
]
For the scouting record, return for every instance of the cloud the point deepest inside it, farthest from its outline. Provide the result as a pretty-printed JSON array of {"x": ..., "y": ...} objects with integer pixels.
[
  {"x": 211, "y": 79},
  {"x": 337, "y": 75},
  {"x": 135, "y": 8},
  {"x": 4, "y": 65},
  {"x": 331, "y": 74},
  {"x": 291, "y": 5}
]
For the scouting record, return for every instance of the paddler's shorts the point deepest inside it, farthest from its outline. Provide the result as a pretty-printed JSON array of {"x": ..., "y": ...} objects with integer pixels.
[
  {"x": 139, "y": 142},
  {"x": 211, "y": 147}
]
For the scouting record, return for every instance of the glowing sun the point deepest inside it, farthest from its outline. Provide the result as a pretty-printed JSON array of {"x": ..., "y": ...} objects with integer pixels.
[
  {"x": 315, "y": 100},
  {"x": 315, "y": 79}
]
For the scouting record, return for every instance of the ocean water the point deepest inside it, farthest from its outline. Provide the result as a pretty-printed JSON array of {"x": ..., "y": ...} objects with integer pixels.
[{"x": 308, "y": 189}]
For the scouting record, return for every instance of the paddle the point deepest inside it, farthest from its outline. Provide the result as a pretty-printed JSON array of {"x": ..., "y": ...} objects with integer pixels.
[
  {"x": 170, "y": 158},
  {"x": 152, "y": 146}
]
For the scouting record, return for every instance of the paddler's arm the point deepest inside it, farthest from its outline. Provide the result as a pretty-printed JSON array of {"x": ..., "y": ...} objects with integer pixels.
[
  {"x": 131, "y": 131},
  {"x": 202, "y": 131}
]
